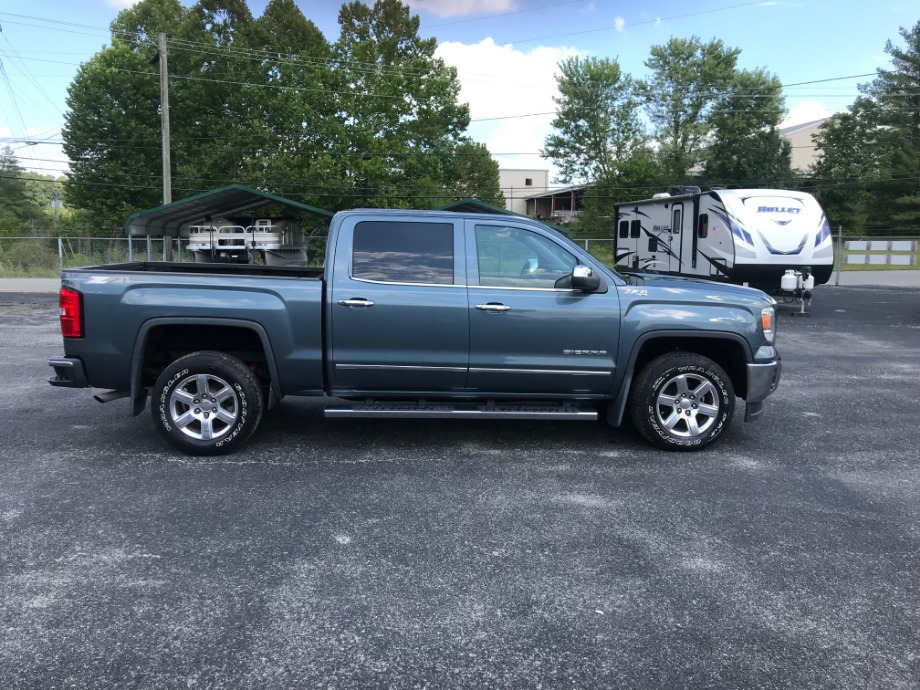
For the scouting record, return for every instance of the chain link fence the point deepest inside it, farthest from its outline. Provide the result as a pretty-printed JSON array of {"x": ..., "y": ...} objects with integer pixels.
[
  {"x": 38, "y": 257},
  {"x": 600, "y": 249},
  {"x": 22, "y": 257}
]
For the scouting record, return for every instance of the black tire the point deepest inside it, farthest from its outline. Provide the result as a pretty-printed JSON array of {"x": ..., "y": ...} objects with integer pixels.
[
  {"x": 682, "y": 401},
  {"x": 199, "y": 425}
]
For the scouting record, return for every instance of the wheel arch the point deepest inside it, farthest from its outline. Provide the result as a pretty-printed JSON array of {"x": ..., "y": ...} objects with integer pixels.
[
  {"x": 193, "y": 334},
  {"x": 729, "y": 350}
]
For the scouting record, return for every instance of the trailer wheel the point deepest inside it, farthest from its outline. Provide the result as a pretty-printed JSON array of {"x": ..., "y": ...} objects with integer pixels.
[
  {"x": 682, "y": 401},
  {"x": 206, "y": 403}
]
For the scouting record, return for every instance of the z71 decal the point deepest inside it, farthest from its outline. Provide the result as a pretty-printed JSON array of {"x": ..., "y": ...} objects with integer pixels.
[{"x": 639, "y": 292}]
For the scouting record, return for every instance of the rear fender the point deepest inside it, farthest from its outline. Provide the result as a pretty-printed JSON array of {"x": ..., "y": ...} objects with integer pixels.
[{"x": 139, "y": 393}]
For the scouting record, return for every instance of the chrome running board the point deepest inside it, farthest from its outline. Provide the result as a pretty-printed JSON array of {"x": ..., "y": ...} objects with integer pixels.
[{"x": 448, "y": 410}]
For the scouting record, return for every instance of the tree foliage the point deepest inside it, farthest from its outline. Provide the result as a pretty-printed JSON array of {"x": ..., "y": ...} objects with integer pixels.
[
  {"x": 688, "y": 80},
  {"x": 400, "y": 125},
  {"x": 25, "y": 198},
  {"x": 372, "y": 118},
  {"x": 855, "y": 177},
  {"x": 711, "y": 123},
  {"x": 746, "y": 148},
  {"x": 897, "y": 93},
  {"x": 597, "y": 127},
  {"x": 868, "y": 172}
]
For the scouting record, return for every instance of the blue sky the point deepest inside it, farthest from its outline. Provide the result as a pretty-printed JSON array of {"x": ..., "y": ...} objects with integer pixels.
[{"x": 505, "y": 51}]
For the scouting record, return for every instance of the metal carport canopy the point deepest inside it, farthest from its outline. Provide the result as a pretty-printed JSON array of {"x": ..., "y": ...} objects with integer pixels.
[
  {"x": 166, "y": 220},
  {"x": 477, "y": 206}
]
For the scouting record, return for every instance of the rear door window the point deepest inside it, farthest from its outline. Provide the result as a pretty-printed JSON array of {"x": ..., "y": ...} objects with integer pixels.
[{"x": 403, "y": 252}]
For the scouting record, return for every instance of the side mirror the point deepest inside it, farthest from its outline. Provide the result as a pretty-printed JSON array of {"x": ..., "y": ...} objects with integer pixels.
[{"x": 585, "y": 279}]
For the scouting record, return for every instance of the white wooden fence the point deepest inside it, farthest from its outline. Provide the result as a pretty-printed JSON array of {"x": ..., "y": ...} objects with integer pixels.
[{"x": 880, "y": 252}]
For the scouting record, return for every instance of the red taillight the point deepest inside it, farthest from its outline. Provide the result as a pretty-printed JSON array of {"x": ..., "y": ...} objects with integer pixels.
[{"x": 71, "y": 314}]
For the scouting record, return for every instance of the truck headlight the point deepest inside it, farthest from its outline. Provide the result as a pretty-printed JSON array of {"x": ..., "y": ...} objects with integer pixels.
[{"x": 767, "y": 320}]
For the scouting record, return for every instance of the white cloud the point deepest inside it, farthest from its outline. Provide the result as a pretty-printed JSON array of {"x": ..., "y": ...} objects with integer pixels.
[
  {"x": 657, "y": 22},
  {"x": 462, "y": 8},
  {"x": 806, "y": 111},
  {"x": 499, "y": 81},
  {"x": 619, "y": 24},
  {"x": 122, "y": 4}
]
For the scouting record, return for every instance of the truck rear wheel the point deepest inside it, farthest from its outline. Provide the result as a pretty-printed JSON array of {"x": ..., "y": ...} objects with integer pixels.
[
  {"x": 682, "y": 401},
  {"x": 206, "y": 403}
]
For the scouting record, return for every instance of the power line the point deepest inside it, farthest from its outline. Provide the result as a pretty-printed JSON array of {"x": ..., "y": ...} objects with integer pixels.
[{"x": 426, "y": 193}]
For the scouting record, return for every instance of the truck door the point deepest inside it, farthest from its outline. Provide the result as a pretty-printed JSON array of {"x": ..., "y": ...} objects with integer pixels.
[
  {"x": 529, "y": 334},
  {"x": 397, "y": 314}
]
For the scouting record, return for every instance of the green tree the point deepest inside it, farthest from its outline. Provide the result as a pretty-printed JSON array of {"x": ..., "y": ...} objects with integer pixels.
[
  {"x": 270, "y": 103},
  {"x": 472, "y": 173},
  {"x": 401, "y": 126},
  {"x": 897, "y": 93},
  {"x": 856, "y": 175},
  {"x": 746, "y": 148},
  {"x": 596, "y": 128},
  {"x": 688, "y": 80},
  {"x": 216, "y": 95},
  {"x": 25, "y": 206},
  {"x": 112, "y": 126},
  {"x": 289, "y": 138},
  {"x": 14, "y": 201}
]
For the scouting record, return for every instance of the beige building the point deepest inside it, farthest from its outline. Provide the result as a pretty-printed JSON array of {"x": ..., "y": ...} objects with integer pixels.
[
  {"x": 519, "y": 184},
  {"x": 804, "y": 151}
]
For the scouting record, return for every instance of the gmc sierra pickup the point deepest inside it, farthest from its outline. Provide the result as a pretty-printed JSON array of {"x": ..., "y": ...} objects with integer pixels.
[{"x": 419, "y": 314}]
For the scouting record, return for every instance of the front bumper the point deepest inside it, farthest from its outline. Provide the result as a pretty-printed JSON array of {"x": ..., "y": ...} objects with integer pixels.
[
  {"x": 762, "y": 380},
  {"x": 68, "y": 372}
]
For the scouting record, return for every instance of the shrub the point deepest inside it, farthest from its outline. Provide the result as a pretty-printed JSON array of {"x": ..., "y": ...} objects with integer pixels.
[{"x": 30, "y": 256}]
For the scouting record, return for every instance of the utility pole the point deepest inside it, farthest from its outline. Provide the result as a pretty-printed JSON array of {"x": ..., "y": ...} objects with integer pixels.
[{"x": 164, "y": 121}]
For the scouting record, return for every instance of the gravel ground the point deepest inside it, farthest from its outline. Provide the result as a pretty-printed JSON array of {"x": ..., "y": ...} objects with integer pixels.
[{"x": 433, "y": 554}]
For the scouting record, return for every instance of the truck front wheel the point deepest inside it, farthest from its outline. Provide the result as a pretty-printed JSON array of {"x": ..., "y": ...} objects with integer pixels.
[
  {"x": 206, "y": 403},
  {"x": 682, "y": 401}
]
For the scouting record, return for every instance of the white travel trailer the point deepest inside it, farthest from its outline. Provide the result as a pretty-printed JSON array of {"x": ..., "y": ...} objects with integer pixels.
[{"x": 737, "y": 235}]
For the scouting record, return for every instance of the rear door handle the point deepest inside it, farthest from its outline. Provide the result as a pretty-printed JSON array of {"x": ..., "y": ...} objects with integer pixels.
[
  {"x": 356, "y": 302},
  {"x": 498, "y": 308}
]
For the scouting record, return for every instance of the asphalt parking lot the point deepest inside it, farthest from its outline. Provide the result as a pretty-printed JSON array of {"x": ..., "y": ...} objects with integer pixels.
[{"x": 407, "y": 554}]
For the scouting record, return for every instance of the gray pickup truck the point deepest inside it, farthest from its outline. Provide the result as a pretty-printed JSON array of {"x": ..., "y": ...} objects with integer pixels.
[{"x": 419, "y": 314}]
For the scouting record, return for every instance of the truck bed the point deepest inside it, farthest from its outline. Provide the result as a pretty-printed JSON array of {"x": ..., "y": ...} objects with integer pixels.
[{"x": 136, "y": 314}]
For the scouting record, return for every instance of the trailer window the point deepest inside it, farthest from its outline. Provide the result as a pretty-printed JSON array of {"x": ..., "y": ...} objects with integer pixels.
[
  {"x": 653, "y": 244},
  {"x": 399, "y": 252},
  {"x": 702, "y": 229},
  {"x": 675, "y": 226},
  {"x": 635, "y": 228},
  {"x": 624, "y": 229}
]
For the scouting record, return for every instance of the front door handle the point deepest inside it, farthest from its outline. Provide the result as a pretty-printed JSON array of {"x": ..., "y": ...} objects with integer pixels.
[
  {"x": 491, "y": 306},
  {"x": 356, "y": 302}
]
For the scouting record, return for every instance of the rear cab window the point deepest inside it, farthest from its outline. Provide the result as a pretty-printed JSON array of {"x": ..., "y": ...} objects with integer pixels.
[{"x": 403, "y": 252}]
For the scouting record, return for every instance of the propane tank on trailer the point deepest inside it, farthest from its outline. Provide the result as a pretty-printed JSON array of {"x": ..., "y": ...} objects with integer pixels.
[{"x": 789, "y": 281}]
